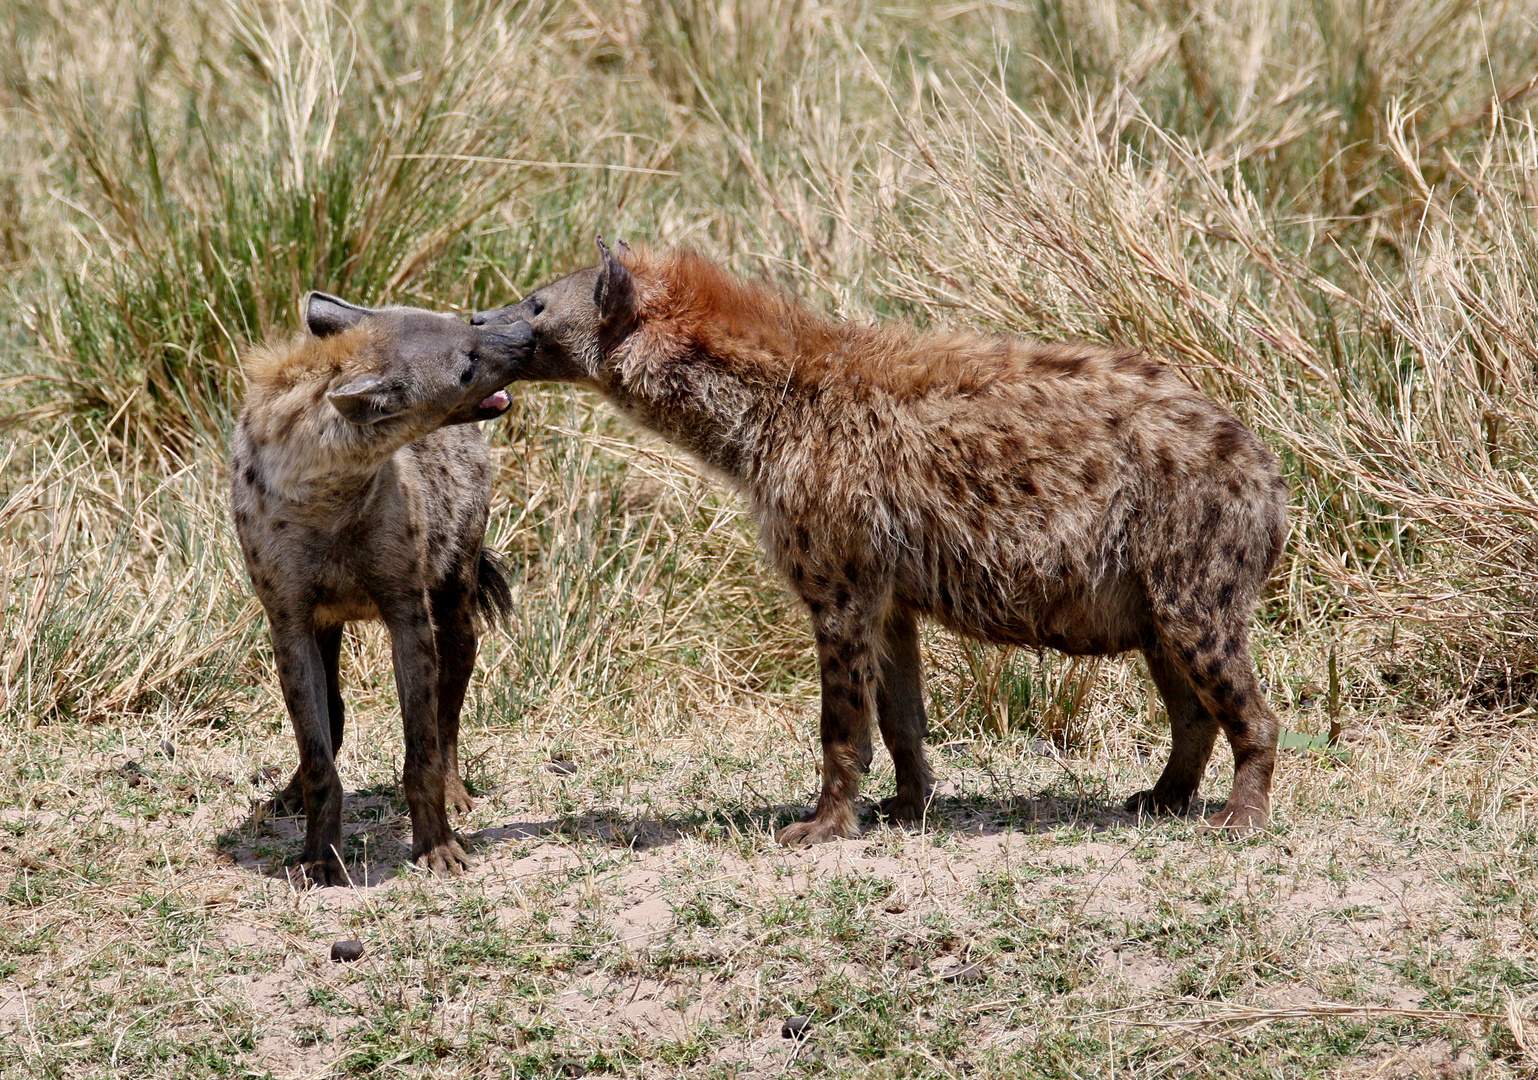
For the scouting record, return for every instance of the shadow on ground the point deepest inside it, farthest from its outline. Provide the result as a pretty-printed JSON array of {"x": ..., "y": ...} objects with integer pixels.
[{"x": 376, "y": 832}]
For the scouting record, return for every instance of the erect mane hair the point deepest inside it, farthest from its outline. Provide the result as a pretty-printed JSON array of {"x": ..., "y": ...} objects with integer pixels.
[
  {"x": 695, "y": 298},
  {"x": 273, "y": 367},
  {"x": 685, "y": 300}
]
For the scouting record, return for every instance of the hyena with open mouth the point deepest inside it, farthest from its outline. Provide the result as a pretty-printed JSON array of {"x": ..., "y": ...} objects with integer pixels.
[
  {"x": 360, "y": 491},
  {"x": 1048, "y": 496}
]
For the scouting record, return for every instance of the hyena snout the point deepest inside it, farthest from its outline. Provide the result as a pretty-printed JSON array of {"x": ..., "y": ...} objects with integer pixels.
[{"x": 503, "y": 352}]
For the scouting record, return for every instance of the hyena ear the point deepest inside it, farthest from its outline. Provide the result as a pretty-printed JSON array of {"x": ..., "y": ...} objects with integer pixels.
[
  {"x": 326, "y": 315},
  {"x": 614, "y": 292},
  {"x": 366, "y": 399}
]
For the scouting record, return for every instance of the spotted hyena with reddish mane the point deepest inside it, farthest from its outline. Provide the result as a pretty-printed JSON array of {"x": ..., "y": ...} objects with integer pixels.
[{"x": 1070, "y": 497}]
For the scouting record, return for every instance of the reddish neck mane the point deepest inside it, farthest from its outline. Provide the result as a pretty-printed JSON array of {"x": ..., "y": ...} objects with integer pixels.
[{"x": 683, "y": 294}]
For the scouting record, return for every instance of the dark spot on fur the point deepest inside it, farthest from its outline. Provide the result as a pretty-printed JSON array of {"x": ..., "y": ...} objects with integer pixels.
[
  {"x": 1065, "y": 365},
  {"x": 851, "y": 571},
  {"x": 1212, "y": 514},
  {"x": 814, "y": 607},
  {"x": 1226, "y": 596},
  {"x": 250, "y": 475},
  {"x": 841, "y": 599},
  {"x": 1089, "y": 475},
  {"x": 1229, "y": 438}
]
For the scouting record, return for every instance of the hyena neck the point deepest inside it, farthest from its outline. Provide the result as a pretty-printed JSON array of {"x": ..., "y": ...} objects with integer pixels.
[
  {"x": 304, "y": 457},
  {"x": 292, "y": 441},
  {"x": 713, "y": 361}
]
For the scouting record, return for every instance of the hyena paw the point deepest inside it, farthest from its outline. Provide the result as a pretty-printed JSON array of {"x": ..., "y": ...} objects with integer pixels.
[
  {"x": 1154, "y": 804},
  {"x": 445, "y": 859},
  {"x": 319, "y": 873},
  {"x": 1239, "y": 820},
  {"x": 904, "y": 809},
  {"x": 456, "y": 796},
  {"x": 816, "y": 831}
]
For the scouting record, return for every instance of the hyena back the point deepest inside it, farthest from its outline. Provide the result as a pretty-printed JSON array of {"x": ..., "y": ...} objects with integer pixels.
[
  {"x": 360, "y": 491},
  {"x": 1048, "y": 496}
]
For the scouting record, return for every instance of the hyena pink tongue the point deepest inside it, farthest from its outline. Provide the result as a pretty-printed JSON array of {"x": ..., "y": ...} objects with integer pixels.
[{"x": 497, "y": 402}]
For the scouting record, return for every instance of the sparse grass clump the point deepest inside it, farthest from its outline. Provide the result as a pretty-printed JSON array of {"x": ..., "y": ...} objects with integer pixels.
[{"x": 1322, "y": 212}]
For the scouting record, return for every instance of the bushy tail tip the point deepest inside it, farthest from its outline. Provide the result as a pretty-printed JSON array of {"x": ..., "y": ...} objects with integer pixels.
[{"x": 493, "y": 595}]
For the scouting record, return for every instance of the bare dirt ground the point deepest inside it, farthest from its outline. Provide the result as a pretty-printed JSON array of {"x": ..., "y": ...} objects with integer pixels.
[{"x": 631, "y": 915}]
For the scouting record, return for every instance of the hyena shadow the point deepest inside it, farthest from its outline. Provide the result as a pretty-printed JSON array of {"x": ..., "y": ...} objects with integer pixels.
[
  {"x": 376, "y": 839},
  {"x": 376, "y": 844},
  {"x": 1045, "y": 812}
]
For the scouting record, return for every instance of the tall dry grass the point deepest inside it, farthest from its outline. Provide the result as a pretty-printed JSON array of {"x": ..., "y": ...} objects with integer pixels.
[{"x": 1321, "y": 211}]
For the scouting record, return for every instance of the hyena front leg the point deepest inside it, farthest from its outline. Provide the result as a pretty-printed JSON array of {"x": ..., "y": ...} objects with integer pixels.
[
  {"x": 329, "y": 640},
  {"x": 846, "y": 652},
  {"x": 454, "y": 624},
  {"x": 302, "y": 674},
  {"x": 415, "y": 657},
  {"x": 900, "y": 713}
]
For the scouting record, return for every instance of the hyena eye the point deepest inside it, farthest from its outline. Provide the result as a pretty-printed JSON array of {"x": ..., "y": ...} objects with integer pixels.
[
  {"x": 537, "y": 303},
  {"x": 467, "y": 374}
]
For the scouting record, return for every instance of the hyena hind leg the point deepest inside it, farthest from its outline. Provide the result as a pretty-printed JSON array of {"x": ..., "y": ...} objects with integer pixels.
[
  {"x": 329, "y": 640},
  {"x": 1193, "y": 730},
  {"x": 413, "y": 651},
  {"x": 454, "y": 631},
  {"x": 302, "y": 674},
  {"x": 1228, "y": 685},
  {"x": 903, "y": 722}
]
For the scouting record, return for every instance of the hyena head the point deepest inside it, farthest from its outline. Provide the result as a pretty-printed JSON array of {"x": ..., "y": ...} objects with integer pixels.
[
  {"x": 419, "y": 368},
  {"x": 576, "y": 320}
]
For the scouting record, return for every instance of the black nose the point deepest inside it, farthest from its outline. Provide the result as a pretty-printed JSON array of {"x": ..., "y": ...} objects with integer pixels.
[{"x": 488, "y": 318}]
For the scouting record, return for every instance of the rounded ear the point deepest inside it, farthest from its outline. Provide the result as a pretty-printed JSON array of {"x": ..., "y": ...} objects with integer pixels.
[
  {"x": 614, "y": 292},
  {"x": 365, "y": 400},
  {"x": 326, "y": 315}
]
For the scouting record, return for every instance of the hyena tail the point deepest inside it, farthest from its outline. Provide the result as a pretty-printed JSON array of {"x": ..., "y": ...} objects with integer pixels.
[{"x": 493, "y": 595}]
